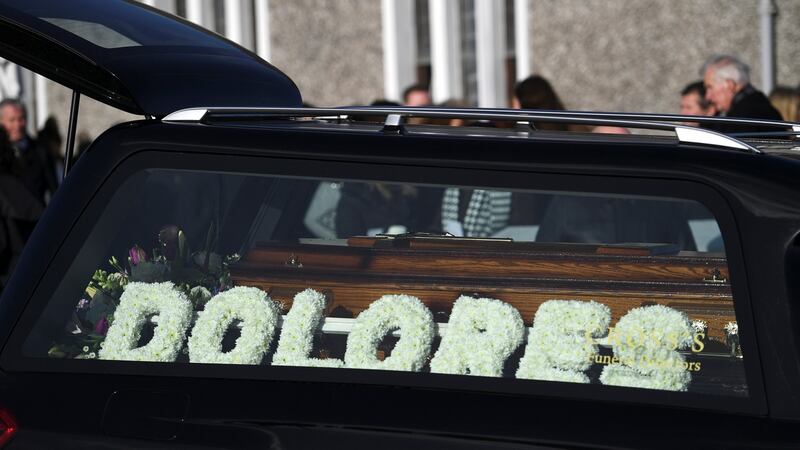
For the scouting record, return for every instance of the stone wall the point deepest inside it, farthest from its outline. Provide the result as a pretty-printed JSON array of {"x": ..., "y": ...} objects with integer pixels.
[
  {"x": 332, "y": 49},
  {"x": 626, "y": 55},
  {"x": 621, "y": 55},
  {"x": 787, "y": 43}
]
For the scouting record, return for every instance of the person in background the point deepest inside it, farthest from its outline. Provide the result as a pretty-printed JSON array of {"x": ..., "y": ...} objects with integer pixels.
[
  {"x": 378, "y": 103},
  {"x": 694, "y": 102},
  {"x": 535, "y": 92},
  {"x": 607, "y": 129},
  {"x": 416, "y": 95},
  {"x": 368, "y": 209},
  {"x": 728, "y": 88},
  {"x": 36, "y": 167},
  {"x": 787, "y": 101},
  {"x": 49, "y": 138},
  {"x": 19, "y": 210}
]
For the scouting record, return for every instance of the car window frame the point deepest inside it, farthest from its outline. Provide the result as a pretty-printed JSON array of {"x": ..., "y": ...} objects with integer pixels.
[{"x": 12, "y": 360}]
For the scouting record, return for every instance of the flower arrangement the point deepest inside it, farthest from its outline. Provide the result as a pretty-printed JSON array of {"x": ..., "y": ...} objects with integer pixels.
[
  {"x": 645, "y": 341},
  {"x": 403, "y": 312},
  {"x": 560, "y": 345},
  {"x": 699, "y": 326},
  {"x": 481, "y": 334},
  {"x": 259, "y": 316},
  {"x": 198, "y": 275},
  {"x": 732, "y": 338},
  {"x": 297, "y": 333},
  {"x": 137, "y": 303}
]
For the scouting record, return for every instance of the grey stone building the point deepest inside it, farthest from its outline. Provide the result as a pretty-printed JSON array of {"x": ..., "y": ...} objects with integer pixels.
[{"x": 612, "y": 55}]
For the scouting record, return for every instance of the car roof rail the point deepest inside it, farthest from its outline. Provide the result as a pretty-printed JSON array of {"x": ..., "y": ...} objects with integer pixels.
[{"x": 394, "y": 117}]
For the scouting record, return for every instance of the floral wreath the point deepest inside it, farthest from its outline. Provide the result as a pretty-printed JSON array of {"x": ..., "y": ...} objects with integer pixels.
[
  {"x": 259, "y": 316},
  {"x": 560, "y": 347},
  {"x": 403, "y": 312},
  {"x": 297, "y": 332},
  {"x": 138, "y": 301},
  {"x": 646, "y": 362},
  {"x": 481, "y": 334}
]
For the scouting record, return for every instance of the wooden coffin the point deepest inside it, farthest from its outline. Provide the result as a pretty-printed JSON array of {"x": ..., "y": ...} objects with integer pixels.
[{"x": 356, "y": 272}]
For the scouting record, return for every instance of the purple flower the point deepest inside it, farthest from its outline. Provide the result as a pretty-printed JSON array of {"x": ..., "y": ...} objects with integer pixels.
[
  {"x": 101, "y": 327},
  {"x": 137, "y": 255},
  {"x": 83, "y": 304}
]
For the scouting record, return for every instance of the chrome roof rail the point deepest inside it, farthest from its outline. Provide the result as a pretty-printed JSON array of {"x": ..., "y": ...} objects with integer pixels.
[
  {"x": 186, "y": 115},
  {"x": 685, "y": 134}
]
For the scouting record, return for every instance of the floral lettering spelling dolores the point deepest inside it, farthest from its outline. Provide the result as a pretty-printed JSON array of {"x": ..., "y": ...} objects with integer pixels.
[
  {"x": 259, "y": 316},
  {"x": 481, "y": 335},
  {"x": 560, "y": 345},
  {"x": 297, "y": 333},
  {"x": 650, "y": 362},
  {"x": 138, "y": 302},
  {"x": 390, "y": 312}
]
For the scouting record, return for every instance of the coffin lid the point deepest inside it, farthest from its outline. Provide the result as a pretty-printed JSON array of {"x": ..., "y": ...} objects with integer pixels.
[{"x": 136, "y": 58}]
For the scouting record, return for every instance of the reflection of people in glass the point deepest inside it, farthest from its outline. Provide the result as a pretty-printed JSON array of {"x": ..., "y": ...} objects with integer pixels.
[
  {"x": 598, "y": 220},
  {"x": 373, "y": 208},
  {"x": 475, "y": 213}
]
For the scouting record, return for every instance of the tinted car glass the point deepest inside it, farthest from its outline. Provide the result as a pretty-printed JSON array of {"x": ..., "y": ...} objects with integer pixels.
[
  {"x": 95, "y": 33},
  {"x": 188, "y": 267},
  {"x": 140, "y": 25}
]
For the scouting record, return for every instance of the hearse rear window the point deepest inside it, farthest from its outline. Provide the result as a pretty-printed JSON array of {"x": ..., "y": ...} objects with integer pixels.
[{"x": 190, "y": 267}]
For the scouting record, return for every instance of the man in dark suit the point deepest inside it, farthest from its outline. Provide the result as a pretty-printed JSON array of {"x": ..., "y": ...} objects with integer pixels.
[
  {"x": 35, "y": 165},
  {"x": 727, "y": 82}
]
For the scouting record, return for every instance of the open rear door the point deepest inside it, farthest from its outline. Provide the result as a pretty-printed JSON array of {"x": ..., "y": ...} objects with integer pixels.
[{"x": 137, "y": 58}]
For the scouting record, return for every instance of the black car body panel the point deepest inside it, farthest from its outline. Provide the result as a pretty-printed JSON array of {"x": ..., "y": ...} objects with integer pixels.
[
  {"x": 136, "y": 58},
  {"x": 139, "y": 60},
  {"x": 748, "y": 183}
]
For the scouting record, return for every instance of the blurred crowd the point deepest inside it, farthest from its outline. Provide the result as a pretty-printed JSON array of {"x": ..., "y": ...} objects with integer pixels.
[
  {"x": 725, "y": 90},
  {"x": 32, "y": 168}
]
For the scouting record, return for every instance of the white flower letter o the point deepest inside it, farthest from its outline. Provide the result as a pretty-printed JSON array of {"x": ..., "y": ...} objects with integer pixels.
[
  {"x": 560, "y": 345},
  {"x": 481, "y": 334},
  {"x": 139, "y": 301},
  {"x": 403, "y": 312},
  {"x": 297, "y": 333},
  {"x": 259, "y": 316}
]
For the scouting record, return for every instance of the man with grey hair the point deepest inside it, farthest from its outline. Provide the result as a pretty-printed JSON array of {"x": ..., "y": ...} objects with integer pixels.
[
  {"x": 728, "y": 88},
  {"x": 34, "y": 165}
]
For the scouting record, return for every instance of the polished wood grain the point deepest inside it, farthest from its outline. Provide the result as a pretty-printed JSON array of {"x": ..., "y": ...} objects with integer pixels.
[
  {"x": 489, "y": 263},
  {"x": 355, "y": 276}
]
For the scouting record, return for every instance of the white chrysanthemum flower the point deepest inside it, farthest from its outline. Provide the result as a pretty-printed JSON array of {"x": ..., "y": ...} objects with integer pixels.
[
  {"x": 668, "y": 380},
  {"x": 560, "y": 343},
  {"x": 732, "y": 328},
  {"x": 646, "y": 340},
  {"x": 259, "y": 316},
  {"x": 481, "y": 334},
  {"x": 699, "y": 326},
  {"x": 297, "y": 332},
  {"x": 139, "y": 301},
  {"x": 391, "y": 312}
]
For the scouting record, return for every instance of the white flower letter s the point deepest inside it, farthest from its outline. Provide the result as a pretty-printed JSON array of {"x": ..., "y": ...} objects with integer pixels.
[
  {"x": 139, "y": 301},
  {"x": 259, "y": 316},
  {"x": 645, "y": 340},
  {"x": 403, "y": 312},
  {"x": 297, "y": 333},
  {"x": 481, "y": 335}
]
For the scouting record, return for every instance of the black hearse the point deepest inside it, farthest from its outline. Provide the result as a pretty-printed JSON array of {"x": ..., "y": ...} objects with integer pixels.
[{"x": 236, "y": 271}]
